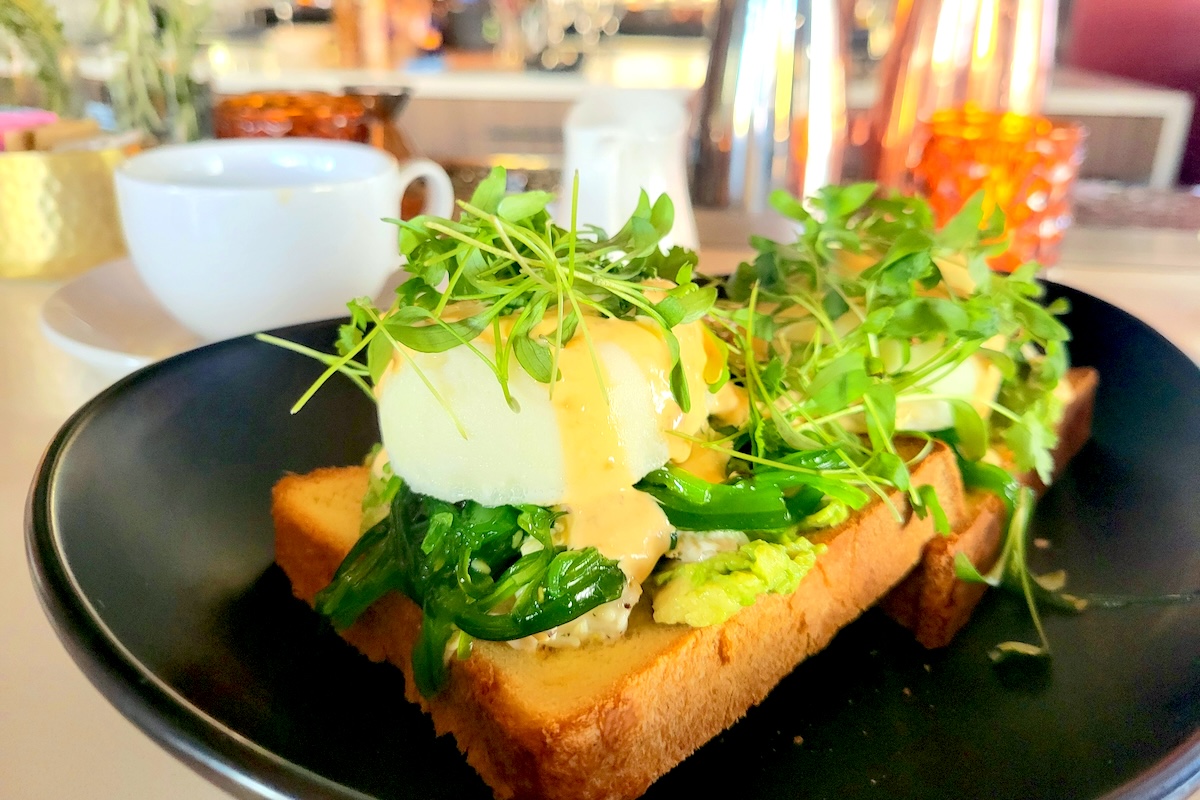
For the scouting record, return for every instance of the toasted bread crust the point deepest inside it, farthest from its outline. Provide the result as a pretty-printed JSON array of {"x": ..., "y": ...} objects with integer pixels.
[
  {"x": 932, "y": 601},
  {"x": 605, "y": 721}
]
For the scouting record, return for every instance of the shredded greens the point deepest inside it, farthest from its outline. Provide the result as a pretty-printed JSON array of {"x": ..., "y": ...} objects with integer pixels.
[
  {"x": 771, "y": 498},
  {"x": 487, "y": 573}
]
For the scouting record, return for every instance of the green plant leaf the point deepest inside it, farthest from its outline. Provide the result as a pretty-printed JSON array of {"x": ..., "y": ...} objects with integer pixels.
[
  {"x": 1032, "y": 441},
  {"x": 964, "y": 570},
  {"x": 662, "y": 215},
  {"x": 519, "y": 207},
  {"x": 839, "y": 384},
  {"x": 891, "y": 468},
  {"x": 962, "y": 230},
  {"x": 971, "y": 430},
  {"x": 418, "y": 329},
  {"x": 880, "y": 414},
  {"x": 694, "y": 303},
  {"x": 379, "y": 355},
  {"x": 842, "y": 201},
  {"x": 789, "y": 206},
  {"x": 930, "y": 503},
  {"x": 533, "y": 356},
  {"x": 679, "y": 384},
  {"x": 671, "y": 309},
  {"x": 834, "y": 305},
  {"x": 925, "y": 318},
  {"x": 491, "y": 191}
]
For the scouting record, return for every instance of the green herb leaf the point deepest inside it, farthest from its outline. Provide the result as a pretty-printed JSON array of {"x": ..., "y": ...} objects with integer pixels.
[
  {"x": 677, "y": 264},
  {"x": 963, "y": 228},
  {"x": 679, "y": 385},
  {"x": 570, "y": 323},
  {"x": 880, "y": 400},
  {"x": 662, "y": 215},
  {"x": 891, "y": 468},
  {"x": 671, "y": 309},
  {"x": 518, "y": 207},
  {"x": 926, "y": 317},
  {"x": 970, "y": 429},
  {"x": 834, "y": 305},
  {"x": 379, "y": 355},
  {"x": 931, "y": 504},
  {"x": 695, "y": 302},
  {"x": 789, "y": 206},
  {"x": 964, "y": 570},
  {"x": 839, "y": 384},
  {"x": 842, "y": 201},
  {"x": 533, "y": 356},
  {"x": 429, "y": 550},
  {"x": 1032, "y": 442},
  {"x": 490, "y": 191},
  {"x": 420, "y": 330}
]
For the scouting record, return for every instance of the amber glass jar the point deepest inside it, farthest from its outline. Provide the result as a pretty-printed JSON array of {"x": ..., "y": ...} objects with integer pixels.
[
  {"x": 279, "y": 114},
  {"x": 1024, "y": 165}
]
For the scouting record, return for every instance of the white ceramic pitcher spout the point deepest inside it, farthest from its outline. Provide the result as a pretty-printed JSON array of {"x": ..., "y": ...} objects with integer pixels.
[{"x": 621, "y": 142}]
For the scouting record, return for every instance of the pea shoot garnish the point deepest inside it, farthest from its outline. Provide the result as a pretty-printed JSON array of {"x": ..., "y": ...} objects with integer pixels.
[
  {"x": 505, "y": 259},
  {"x": 856, "y": 346}
]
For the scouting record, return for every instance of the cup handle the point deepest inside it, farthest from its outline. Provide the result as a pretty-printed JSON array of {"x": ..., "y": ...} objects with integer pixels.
[{"x": 439, "y": 191}]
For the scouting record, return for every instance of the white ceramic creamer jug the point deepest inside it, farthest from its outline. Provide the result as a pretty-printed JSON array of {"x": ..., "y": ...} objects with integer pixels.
[{"x": 622, "y": 141}]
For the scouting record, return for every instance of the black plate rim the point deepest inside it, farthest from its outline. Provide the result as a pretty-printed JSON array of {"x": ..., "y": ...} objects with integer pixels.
[
  {"x": 240, "y": 765},
  {"x": 208, "y": 746}
]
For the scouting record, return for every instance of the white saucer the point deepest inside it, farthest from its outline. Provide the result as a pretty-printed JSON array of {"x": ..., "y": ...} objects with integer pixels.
[{"x": 108, "y": 318}]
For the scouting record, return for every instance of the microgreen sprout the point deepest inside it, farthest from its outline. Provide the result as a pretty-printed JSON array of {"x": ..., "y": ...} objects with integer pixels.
[
  {"x": 861, "y": 316},
  {"x": 504, "y": 260},
  {"x": 833, "y": 337}
]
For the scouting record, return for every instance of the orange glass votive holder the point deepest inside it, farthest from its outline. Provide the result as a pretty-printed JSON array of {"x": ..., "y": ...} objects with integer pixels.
[
  {"x": 286, "y": 114},
  {"x": 1025, "y": 165}
]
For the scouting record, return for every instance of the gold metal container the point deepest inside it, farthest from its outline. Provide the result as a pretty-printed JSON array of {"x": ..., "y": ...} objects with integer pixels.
[{"x": 58, "y": 213}]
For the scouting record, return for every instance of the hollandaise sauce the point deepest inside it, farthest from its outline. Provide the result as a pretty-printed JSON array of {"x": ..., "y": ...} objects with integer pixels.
[{"x": 579, "y": 445}]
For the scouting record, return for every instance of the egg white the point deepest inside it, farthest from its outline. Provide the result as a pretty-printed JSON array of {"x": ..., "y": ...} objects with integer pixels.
[{"x": 502, "y": 456}]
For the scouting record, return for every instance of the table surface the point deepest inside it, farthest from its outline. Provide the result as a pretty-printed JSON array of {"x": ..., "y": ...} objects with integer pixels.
[{"x": 59, "y": 738}]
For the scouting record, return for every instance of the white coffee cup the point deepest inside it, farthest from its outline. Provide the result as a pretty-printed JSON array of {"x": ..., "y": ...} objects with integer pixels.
[{"x": 241, "y": 235}]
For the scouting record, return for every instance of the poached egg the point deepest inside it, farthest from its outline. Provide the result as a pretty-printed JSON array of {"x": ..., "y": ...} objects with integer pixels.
[{"x": 579, "y": 445}]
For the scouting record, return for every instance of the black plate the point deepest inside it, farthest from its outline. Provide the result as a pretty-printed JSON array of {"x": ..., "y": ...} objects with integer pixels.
[{"x": 150, "y": 540}]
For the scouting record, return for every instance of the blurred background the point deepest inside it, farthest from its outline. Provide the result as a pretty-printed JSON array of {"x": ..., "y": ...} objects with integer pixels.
[{"x": 492, "y": 81}]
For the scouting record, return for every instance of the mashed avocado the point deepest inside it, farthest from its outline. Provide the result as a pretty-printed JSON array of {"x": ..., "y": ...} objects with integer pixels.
[{"x": 711, "y": 591}]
